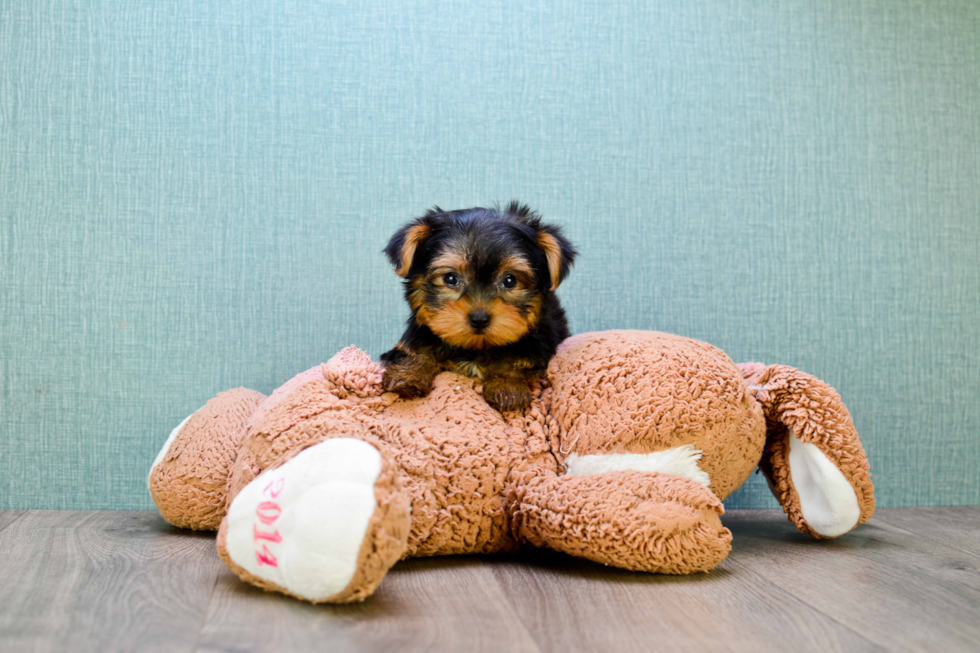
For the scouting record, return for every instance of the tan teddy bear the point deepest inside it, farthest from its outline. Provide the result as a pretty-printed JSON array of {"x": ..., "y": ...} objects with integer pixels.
[{"x": 624, "y": 458}]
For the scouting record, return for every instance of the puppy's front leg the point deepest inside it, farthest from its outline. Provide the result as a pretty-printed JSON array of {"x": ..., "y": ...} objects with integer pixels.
[
  {"x": 509, "y": 389},
  {"x": 407, "y": 373}
]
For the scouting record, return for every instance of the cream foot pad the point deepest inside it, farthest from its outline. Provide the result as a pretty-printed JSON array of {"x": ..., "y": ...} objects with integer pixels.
[{"x": 301, "y": 525}]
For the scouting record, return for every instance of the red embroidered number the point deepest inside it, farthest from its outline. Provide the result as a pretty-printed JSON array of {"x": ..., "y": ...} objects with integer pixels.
[{"x": 267, "y": 513}]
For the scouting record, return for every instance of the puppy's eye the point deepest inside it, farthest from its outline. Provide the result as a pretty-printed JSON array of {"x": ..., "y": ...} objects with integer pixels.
[
  {"x": 510, "y": 281},
  {"x": 450, "y": 280}
]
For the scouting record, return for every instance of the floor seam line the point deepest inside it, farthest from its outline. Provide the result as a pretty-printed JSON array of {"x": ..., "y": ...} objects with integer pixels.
[
  {"x": 511, "y": 607},
  {"x": 207, "y": 613},
  {"x": 762, "y": 578},
  {"x": 884, "y": 520}
]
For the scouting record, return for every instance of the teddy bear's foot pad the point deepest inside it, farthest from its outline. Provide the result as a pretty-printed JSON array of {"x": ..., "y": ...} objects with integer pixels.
[{"x": 301, "y": 527}]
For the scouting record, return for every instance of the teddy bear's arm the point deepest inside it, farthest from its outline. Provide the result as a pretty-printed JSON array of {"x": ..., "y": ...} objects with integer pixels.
[
  {"x": 644, "y": 521},
  {"x": 813, "y": 458},
  {"x": 188, "y": 481}
]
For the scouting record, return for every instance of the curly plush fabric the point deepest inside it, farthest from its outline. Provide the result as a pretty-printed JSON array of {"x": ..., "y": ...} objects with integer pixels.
[
  {"x": 643, "y": 391},
  {"x": 623, "y": 458}
]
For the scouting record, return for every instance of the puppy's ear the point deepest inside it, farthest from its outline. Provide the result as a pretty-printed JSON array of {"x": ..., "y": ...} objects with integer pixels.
[
  {"x": 557, "y": 250},
  {"x": 401, "y": 248},
  {"x": 559, "y": 253}
]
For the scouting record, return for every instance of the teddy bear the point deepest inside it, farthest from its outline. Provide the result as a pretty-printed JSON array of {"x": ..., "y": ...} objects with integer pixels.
[{"x": 630, "y": 445}]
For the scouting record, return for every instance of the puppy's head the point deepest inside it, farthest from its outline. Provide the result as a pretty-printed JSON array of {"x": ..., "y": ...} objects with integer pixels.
[{"x": 478, "y": 277}]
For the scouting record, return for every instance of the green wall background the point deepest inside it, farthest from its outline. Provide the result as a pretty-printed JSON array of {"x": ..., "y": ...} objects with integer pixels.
[{"x": 194, "y": 196}]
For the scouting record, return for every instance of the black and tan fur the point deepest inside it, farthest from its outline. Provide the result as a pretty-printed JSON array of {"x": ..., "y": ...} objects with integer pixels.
[{"x": 481, "y": 285}]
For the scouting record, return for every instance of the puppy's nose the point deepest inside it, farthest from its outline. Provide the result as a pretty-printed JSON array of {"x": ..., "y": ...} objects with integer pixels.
[{"x": 479, "y": 319}]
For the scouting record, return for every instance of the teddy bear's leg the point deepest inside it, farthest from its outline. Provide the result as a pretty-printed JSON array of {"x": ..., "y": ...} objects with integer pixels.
[
  {"x": 324, "y": 526},
  {"x": 644, "y": 521},
  {"x": 813, "y": 459},
  {"x": 188, "y": 480}
]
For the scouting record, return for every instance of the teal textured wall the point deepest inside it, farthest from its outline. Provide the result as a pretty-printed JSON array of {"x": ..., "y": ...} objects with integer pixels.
[{"x": 194, "y": 196}]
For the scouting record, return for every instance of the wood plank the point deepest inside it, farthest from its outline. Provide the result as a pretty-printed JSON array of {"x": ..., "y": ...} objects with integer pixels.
[
  {"x": 894, "y": 588},
  {"x": 429, "y": 604},
  {"x": 956, "y": 526},
  {"x": 8, "y": 517},
  {"x": 569, "y": 604},
  {"x": 103, "y": 581}
]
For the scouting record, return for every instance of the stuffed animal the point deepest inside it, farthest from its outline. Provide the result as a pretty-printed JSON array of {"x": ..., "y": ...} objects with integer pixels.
[{"x": 624, "y": 458}]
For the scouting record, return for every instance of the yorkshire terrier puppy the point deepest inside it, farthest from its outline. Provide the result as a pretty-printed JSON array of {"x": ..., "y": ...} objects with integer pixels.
[{"x": 481, "y": 285}]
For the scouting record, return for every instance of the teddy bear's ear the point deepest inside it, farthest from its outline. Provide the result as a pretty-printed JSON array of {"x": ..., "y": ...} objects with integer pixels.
[
  {"x": 402, "y": 247},
  {"x": 813, "y": 459},
  {"x": 559, "y": 253},
  {"x": 352, "y": 371}
]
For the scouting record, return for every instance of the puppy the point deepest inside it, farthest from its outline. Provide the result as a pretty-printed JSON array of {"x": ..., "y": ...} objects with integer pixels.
[{"x": 481, "y": 285}]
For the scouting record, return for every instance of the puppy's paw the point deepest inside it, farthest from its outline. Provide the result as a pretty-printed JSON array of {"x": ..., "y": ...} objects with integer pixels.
[
  {"x": 409, "y": 384},
  {"x": 506, "y": 394}
]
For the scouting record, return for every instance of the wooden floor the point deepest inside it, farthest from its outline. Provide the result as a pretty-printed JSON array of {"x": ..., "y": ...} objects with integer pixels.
[{"x": 126, "y": 581}]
